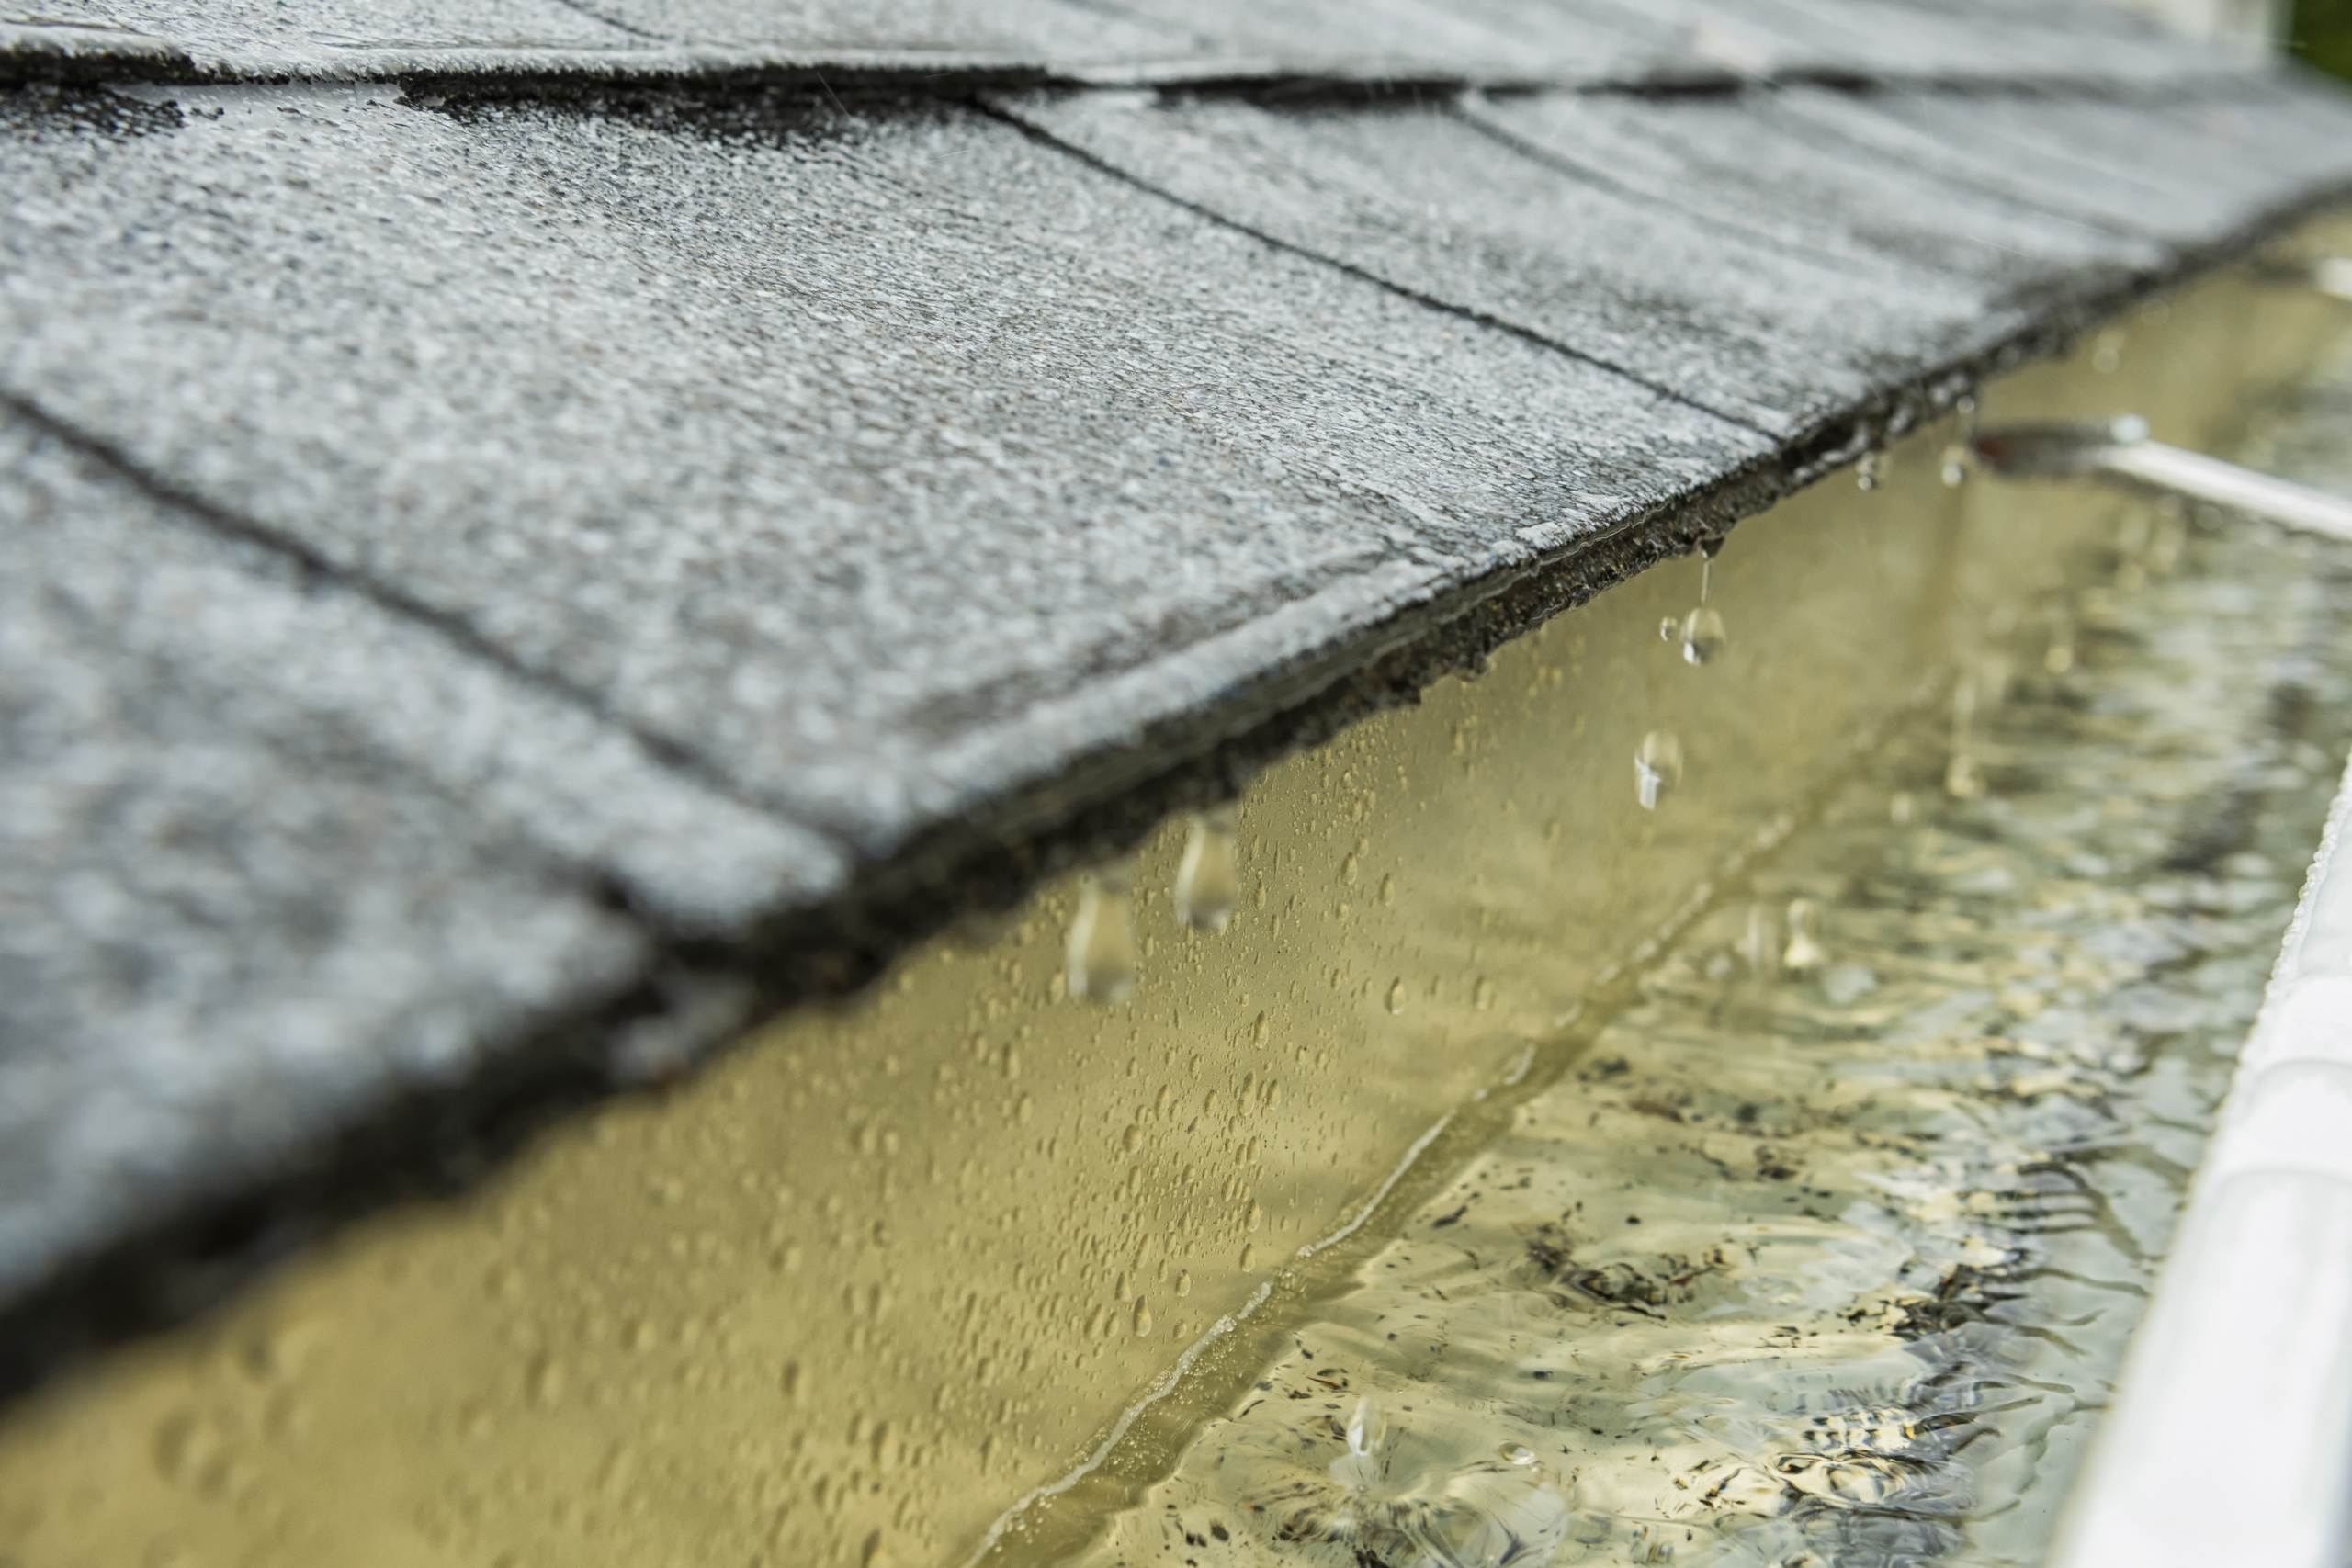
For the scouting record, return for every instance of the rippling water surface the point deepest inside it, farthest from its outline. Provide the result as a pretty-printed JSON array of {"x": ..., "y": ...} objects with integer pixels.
[{"x": 1825, "y": 1252}]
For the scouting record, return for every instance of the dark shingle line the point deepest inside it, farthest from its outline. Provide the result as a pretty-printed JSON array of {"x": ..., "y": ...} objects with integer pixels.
[
  {"x": 596, "y": 14},
  {"x": 317, "y": 566},
  {"x": 673, "y": 62},
  {"x": 1431, "y": 301}
]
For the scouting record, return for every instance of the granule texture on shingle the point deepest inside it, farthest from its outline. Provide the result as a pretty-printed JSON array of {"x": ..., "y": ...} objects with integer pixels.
[
  {"x": 881, "y": 468},
  {"x": 1920, "y": 41},
  {"x": 218, "y": 944},
  {"x": 2190, "y": 172},
  {"x": 1559, "y": 42},
  {"x": 1735, "y": 164},
  {"x": 1421, "y": 199},
  {"x": 255, "y": 31},
  {"x": 1044, "y": 31}
]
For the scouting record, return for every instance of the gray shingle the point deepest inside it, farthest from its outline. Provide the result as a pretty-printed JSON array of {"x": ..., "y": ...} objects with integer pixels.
[
  {"x": 1736, "y": 162},
  {"x": 1915, "y": 41},
  {"x": 253, "y": 32},
  {"x": 2169, "y": 171},
  {"x": 1424, "y": 201},
  {"x": 1042, "y": 31},
  {"x": 1560, "y": 42},
  {"x": 222, "y": 935}
]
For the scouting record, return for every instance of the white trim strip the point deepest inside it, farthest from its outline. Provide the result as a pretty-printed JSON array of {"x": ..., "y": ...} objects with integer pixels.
[{"x": 2230, "y": 1439}]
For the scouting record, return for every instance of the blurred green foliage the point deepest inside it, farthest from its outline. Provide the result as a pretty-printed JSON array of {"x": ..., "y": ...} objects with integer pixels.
[{"x": 2322, "y": 35}]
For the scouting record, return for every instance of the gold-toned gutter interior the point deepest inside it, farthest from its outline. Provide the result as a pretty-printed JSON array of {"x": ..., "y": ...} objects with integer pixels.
[{"x": 859, "y": 1292}]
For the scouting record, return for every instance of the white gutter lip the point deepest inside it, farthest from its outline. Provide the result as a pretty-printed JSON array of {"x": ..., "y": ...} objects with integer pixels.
[{"x": 2230, "y": 1437}]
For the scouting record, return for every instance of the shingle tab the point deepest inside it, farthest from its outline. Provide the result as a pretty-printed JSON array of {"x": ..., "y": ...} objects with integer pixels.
[
  {"x": 1424, "y": 201},
  {"x": 2189, "y": 172},
  {"x": 222, "y": 934},
  {"x": 1736, "y": 163},
  {"x": 1562, "y": 42}
]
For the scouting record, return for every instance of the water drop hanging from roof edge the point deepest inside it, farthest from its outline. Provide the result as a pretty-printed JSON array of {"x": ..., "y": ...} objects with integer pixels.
[
  {"x": 1703, "y": 636},
  {"x": 1208, "y": 887},
  {"x": 1102, "y": 960}
]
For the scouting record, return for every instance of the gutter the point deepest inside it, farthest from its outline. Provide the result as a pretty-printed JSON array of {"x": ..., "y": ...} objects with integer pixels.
[{"x": 2231, "y": 1441}]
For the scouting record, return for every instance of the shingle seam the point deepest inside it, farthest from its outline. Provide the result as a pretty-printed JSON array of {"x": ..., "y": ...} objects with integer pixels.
[
  {"x": 595, "y": 14},
  {"x": 953, "y": 73},
  {"x": 315, "y": 565},
  {"x": 1825, "y": 140},
  {"x": 1586, "y": 174},
  {"x": 1485, "y": 319}
]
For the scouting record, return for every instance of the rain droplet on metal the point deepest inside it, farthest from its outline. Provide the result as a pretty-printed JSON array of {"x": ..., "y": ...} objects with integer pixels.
[
  {"x": 1517, "y": 1453},
  {"x": 1207, "y": 886},
  {"x": 1703, "y": 636},
  {"x": 1102, "y": 958},
  {"x": 1657, "y": 767}
]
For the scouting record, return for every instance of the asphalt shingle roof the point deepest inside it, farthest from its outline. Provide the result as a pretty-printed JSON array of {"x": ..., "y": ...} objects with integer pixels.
[{"x": 542, "y": 530}]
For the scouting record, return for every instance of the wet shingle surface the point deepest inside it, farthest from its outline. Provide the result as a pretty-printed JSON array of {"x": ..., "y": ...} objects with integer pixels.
[
  {"x": 510, "y": 582},
  {"x": 1562, "y": 42},
  {"x": 229, "y": 916}
]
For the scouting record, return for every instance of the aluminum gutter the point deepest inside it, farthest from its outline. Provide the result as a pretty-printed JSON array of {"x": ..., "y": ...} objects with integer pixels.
[{"x": 2231, "y": 1441}]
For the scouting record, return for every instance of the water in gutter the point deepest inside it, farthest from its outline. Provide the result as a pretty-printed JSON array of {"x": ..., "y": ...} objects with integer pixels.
[{"x": 1826, "y": 1249}]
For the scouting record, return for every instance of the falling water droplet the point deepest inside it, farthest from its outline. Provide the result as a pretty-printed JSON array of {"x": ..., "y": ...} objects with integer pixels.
[
  {"x": 1962, "y": 781},
  {"x": 1101, "y": 956},
  {"x": 1805, "y": 953},
  {"x": 2060, "y": 657},
  {"x": 1208, "y": 887},
  {"x": 1955, "y": 466},
  {"x": 1870, "y": 472},
  {"x": 1366, "y": 1428},
  {"x": 1759, "y": 947},
  {"x": 1703, "y": 636},
  {"x": 1657, "y": 767},
  {"x": 1667, "y": 629}
]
